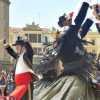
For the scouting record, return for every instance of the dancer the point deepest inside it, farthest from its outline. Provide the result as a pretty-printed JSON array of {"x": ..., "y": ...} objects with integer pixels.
[
  {"x": 47, "y": 76},
  {"x": 24, "y": 74},
  {"x": 77, "y": 80}
]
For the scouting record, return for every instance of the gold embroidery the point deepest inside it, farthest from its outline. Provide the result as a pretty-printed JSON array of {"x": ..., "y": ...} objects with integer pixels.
[
  {"x": 29, "y": 92},
  {"x": 31, "y": 71}
]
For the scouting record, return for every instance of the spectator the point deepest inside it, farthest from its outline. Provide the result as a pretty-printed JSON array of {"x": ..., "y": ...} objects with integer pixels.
[
  {"x": 46, "y": 51},
  {"x": 3, "y": 80},
  {"x": 12, "y": 70},
  {"x": 10, "y": 81},
  {"x": 40, "y": 53}
]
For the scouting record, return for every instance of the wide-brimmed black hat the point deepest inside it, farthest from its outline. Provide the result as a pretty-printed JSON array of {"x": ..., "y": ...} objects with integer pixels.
[
  {"x": 19, "y": 41},
  {"x": 61, "y": 19}
]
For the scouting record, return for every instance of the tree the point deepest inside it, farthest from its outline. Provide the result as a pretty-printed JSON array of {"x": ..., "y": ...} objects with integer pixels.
[{"x": 53, "y": 28}]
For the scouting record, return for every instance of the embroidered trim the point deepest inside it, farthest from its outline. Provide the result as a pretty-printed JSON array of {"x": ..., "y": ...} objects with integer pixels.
[
  {"x": 29, "y": 92},
  {"x": 31, "y": 71}
]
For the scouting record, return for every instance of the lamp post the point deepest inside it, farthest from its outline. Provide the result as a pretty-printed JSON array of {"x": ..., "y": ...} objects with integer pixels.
[{"x": 39, "y": 18}]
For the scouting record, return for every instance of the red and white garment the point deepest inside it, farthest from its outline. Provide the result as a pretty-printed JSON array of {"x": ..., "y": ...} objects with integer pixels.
[
  {"x": 22, "y": 78},
  {"x": 63, "y": 29}
]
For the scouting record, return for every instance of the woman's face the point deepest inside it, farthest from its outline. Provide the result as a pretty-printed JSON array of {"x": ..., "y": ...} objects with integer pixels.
[
  {"x": 68, "y": 21},
  {"x": 4, "y": 73},
  {"x": 64, "y": 23}
]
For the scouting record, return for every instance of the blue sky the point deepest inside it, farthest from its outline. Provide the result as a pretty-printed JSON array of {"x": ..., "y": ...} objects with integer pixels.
[{"x": 28, "y": 11}]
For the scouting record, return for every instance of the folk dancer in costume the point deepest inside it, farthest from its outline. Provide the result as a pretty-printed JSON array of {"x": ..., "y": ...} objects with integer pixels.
[
  {"x": 76, "y": 82},
  {"x": 48, "y": 76},
  {"x": 24, "y": 75}
]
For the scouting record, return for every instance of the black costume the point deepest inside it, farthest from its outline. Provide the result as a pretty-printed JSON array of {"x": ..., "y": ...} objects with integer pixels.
[
  {"x": 47, "y": 77},
  {"x": 25, "y": 76},
  {"x": 46, "y": 80}
]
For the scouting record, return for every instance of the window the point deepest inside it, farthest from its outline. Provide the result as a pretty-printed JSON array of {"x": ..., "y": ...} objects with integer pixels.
[
  {"x": 35, "y": 50},
  {"x": 93, "y": 41},
  {"x": 45, "y": 39},
  {"x": 39, "y": 37},
  {"x": 33, "y": 37},
  {"x": 93, "y": 51}
]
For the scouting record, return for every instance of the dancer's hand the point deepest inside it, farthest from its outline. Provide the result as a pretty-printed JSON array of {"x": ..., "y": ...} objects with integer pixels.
[
  {"x": 21, "y": 35},
  {"x": 3, "y": 41}
]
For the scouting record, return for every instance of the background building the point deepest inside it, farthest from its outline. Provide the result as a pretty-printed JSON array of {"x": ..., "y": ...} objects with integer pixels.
[
  {"x": 93, "y": 37},
  {"x": 39, "y": 37}
]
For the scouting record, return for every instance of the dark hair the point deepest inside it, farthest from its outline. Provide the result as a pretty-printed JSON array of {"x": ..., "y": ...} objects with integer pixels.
[
  {"x": 62, "y": 19},
  {"x": 97, "y": 10}
]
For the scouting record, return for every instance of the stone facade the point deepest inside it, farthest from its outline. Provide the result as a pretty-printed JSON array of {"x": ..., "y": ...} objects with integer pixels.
[
  {"x": 4, "y": 26},
  {"x": 4, "y": 33}
]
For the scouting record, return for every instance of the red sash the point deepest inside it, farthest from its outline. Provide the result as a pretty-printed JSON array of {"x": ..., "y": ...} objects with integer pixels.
[
  {"x": 21, "y": 81},
  {"x": 23, "y": 78},
  {"x": 19, "y": 91}
]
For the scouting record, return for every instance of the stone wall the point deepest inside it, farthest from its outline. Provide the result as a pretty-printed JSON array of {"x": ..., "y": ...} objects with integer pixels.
[
  {"x": 4, "y": 26},
  {"x": 4, "y": 33}
]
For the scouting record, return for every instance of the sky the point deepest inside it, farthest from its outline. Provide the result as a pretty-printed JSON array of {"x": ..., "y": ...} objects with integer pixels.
[{"x": 42, "y": 12}]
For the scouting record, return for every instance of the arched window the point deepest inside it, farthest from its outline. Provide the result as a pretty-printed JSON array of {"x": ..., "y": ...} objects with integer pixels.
[{"x": 45, "y": 39}]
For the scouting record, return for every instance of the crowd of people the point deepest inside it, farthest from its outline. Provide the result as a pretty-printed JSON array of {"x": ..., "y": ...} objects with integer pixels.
[{"x": 6, "y": 82}]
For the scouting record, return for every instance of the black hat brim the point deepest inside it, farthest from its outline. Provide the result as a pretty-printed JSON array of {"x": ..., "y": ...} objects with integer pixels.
[{"x": 18, "y": 44}]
